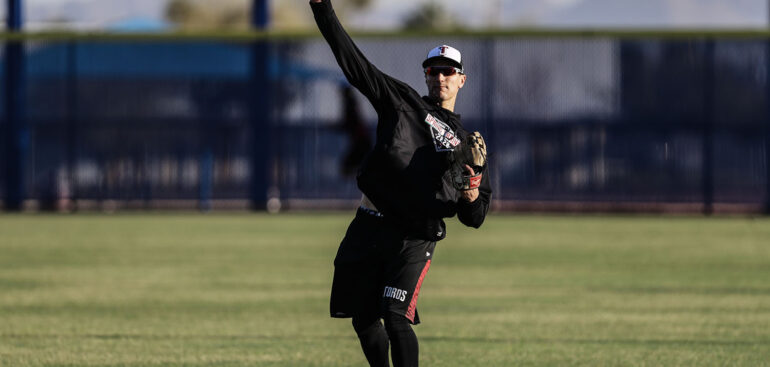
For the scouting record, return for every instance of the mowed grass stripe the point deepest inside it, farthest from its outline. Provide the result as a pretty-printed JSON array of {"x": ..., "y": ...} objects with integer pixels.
[{"x": 252, "y": 290}]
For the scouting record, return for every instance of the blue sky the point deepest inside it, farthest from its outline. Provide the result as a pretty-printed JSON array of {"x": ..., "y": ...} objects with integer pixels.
[{"x": 385, "y": 14}]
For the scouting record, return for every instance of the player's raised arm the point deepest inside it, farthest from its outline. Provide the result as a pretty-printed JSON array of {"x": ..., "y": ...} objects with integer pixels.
[{"x": 357, "y": 69}]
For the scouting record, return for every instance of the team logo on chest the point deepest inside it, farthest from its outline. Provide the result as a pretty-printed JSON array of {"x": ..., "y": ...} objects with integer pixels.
[{"x": 444, "y": 138}]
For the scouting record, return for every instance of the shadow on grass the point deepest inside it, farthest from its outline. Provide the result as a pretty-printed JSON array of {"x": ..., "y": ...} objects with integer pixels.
[
  {"x": 168, "y": 337},
  {"x": 597, "y": 341},
  {"x": 721, "y": 291},
  {"x": 758, "y": 342}
]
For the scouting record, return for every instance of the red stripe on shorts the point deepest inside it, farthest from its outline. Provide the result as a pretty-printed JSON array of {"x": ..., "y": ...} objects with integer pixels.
[{"x": 413, "y": 304}]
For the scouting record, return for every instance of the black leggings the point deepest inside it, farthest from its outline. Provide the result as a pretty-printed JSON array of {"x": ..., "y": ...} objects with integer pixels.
[{"x": 375, "y": 339}]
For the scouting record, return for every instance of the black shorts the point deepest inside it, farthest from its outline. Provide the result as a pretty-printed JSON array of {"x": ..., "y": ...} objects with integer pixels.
[{"x": 378, "y": 270}]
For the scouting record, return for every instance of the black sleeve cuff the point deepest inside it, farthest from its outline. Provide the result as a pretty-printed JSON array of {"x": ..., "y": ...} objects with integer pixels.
[{"x": 470, "y": 206}]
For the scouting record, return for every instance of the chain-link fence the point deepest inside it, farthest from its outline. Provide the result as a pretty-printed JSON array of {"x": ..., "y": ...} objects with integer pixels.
[{"x": 571, "y": 121}]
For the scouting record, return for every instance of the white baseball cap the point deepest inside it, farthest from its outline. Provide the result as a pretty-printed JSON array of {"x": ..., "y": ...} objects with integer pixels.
[{"x": 446, "y": 53}]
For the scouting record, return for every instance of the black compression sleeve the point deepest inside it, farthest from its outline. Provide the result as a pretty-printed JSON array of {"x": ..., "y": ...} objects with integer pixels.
[{"x": 357, "y": 69}]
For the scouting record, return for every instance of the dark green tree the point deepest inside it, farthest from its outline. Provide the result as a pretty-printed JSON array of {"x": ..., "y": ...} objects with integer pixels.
[
  {"x": 180, "y": 11},
  {"x": 431, "y": 16}
]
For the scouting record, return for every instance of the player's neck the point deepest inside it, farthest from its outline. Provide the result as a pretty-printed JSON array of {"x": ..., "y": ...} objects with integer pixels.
[{"x": 449, "y": 104}]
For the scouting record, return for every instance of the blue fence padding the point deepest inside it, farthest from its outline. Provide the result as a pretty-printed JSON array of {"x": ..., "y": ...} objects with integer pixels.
[
  {"x": 162, "y": 61},
  {"x": 158, "y": 60}
]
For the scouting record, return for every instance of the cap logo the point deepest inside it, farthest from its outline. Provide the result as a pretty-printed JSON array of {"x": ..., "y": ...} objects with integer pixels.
[{"x": 446, "y": 52}]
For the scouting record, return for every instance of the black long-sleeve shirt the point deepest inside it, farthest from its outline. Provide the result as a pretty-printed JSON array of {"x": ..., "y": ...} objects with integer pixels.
[{"x": 406, "y": 176}]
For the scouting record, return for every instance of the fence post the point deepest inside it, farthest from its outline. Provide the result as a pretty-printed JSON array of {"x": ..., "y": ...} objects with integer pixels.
[
  {"x": 261, "y": 109},
  {"x": 206, "y": 159},
  {"x": 16, "y": 137},
  {"x": 708, "y": 127},
  {"x": 766, "y": 206},
  {"x": 259, "y": 14},
  {"x": 72, "y": 124},
  {"x": 488, "y": 113}
]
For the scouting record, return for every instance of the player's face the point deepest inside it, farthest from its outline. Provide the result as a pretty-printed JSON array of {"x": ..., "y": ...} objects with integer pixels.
[{"x": 443, "y": 82}]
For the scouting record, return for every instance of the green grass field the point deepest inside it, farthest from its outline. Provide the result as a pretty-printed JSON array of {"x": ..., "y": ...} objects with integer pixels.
[{"x": 252, "y": 290}]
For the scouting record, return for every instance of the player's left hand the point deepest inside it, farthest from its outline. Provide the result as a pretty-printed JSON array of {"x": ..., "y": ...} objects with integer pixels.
[
  {"x": 466, "y": 164},
  {"x": 472, "y": 194}
]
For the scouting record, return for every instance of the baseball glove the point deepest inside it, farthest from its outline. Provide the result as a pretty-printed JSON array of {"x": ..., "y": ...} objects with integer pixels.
[{"x": 472, "y": 152}]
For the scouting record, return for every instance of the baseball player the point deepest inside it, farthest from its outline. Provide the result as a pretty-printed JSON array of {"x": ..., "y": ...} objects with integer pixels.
[{"x": 424, "y": 167}]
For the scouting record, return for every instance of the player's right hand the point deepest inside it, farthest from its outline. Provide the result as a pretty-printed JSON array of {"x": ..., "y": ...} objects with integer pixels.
[{"x": 472, "y": 194}]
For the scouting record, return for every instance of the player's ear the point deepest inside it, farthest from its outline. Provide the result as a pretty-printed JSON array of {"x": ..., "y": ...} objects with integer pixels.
[{"x": 462, "y": 80}]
